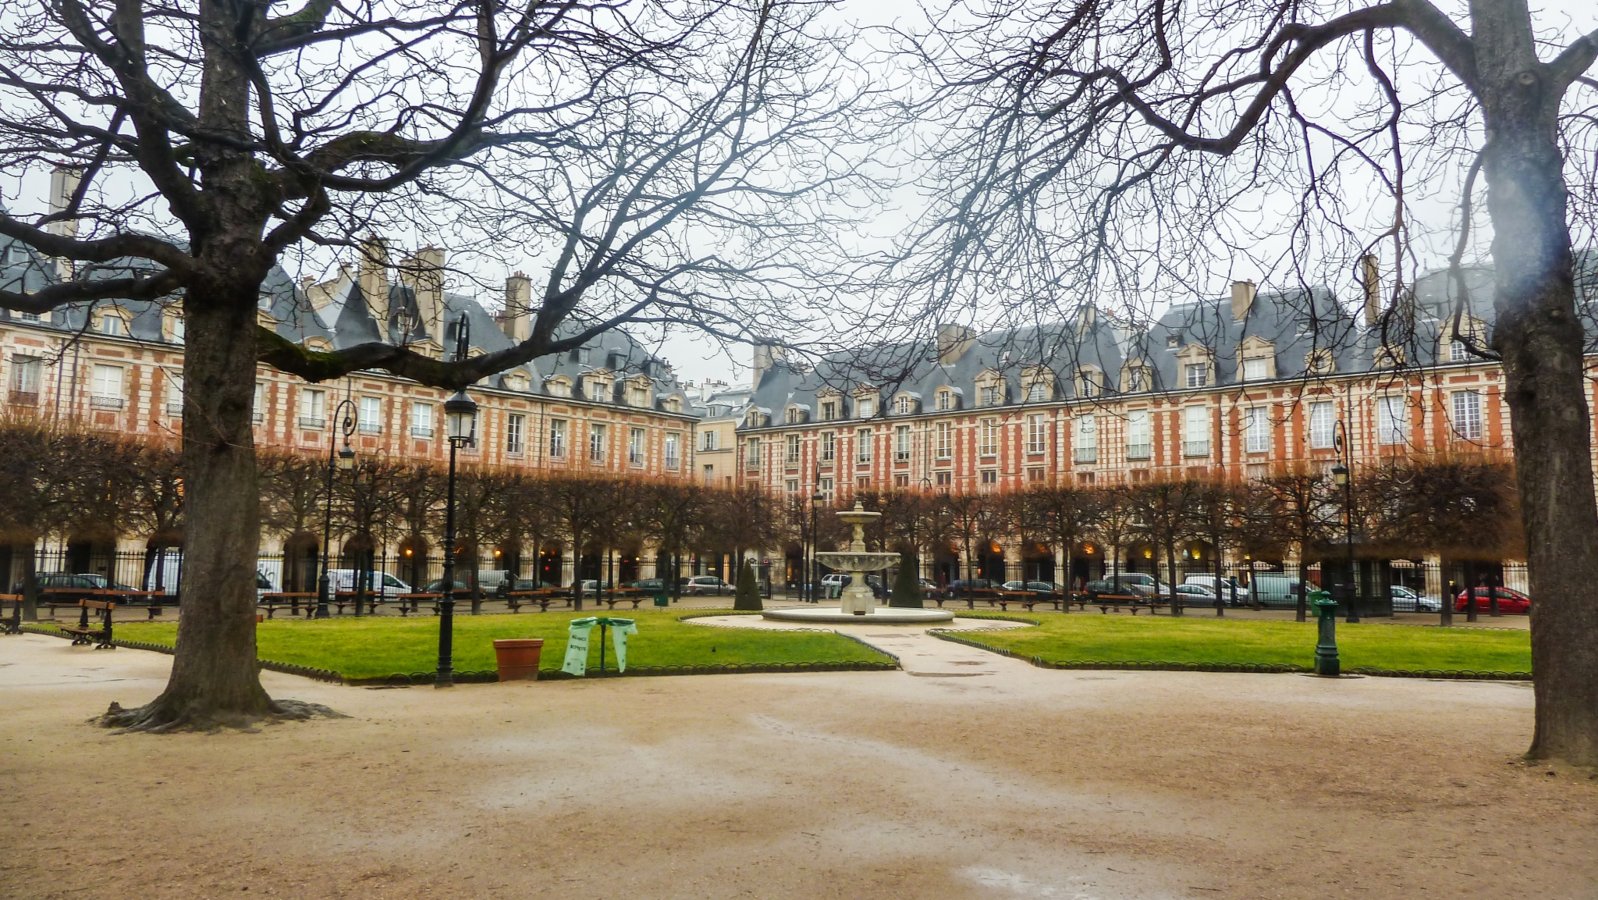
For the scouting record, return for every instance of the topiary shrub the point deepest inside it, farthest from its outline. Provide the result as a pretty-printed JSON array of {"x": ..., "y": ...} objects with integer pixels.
[
  {"x": 747, "y": 596},
  {"x": 906, "y": 586}
]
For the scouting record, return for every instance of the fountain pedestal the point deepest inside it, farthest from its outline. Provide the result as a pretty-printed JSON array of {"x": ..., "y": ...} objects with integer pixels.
[{"x": 857, "y": 561}]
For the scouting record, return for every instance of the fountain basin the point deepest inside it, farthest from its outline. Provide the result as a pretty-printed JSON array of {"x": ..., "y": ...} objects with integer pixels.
[
  {"x": 878, "y": 615},
  {"x": 856, "y": 561}
]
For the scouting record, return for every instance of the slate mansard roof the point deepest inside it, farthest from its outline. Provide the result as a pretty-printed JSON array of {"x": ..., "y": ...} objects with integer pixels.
[{"x": 346, "y": 321}]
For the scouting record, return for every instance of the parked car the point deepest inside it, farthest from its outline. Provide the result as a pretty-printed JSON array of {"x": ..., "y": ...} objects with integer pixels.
[
  {"x": 1276, "y": 589},
  {"x": 527, "y": 584},
  {"x": 705, "y": 584},
  {"x": 594, "y": 586},
  {"x": 1045, "y": 588},
  {"x": 1509, "y": 600},
  {"x": 1196, "y": 595},
  {"x": 959, "y": 586},
  {"x": 378, "y": 584},
  {"x": 1145, "y": 584},
  {"x": 1406, "y": 600},
  {"x": 437, "y": 586},
  {"x": 1236, "y": 594},
  {"x": 652, "y": 585},
  {"x": 835, "y": 582},
  {"x": 1111, "y": 587},
  {"x": 70, "y": 581}
]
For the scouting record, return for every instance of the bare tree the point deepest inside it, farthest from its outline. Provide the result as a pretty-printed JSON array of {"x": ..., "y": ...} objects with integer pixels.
[
  {"x": 1144, "y": 147},
  {"x": 616, "y": 143},
  {"x": 1303, "y": 512}
]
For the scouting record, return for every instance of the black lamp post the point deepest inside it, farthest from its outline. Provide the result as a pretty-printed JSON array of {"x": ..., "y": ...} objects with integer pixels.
[
  {"x": 344, "y": 458},
  {"x": 813, "y": 575},
  {"x": 460, "y": 421},
  {"x": 1343, "y": 477}
]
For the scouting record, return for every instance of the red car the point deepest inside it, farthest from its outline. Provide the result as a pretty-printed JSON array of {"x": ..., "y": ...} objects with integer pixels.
[{"x": 1509, "y": 600}]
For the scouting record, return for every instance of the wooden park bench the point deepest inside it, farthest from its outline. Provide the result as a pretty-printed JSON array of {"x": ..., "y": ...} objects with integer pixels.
[
  {"x": 86, "y": 633},
  {"x": 1030, "y": 599},
  {"x": 540, "y": 597},
  {"x": 625, "y": 595},
  {"x": 370, "y": 599},
  {"x": 1130, "y": 602},
  {"x": 290, "y": 600}
]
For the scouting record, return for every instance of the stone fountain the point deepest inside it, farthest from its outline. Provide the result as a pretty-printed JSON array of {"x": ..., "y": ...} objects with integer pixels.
[
  {"x": 857, "y": 561},
  {"x": 858, "y": 602}
]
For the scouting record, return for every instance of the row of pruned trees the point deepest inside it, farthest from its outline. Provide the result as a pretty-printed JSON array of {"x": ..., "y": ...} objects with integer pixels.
[
  {"x": 1459, "y": 507},
  {"x": 69, "y": 482}
]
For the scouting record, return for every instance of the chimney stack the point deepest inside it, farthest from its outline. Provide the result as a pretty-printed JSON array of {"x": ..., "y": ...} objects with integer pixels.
[
  {"x": 766, "y": 357},
  {"x": 373, "y": 280},
  {"x": 423, "y": 273},
  {"x": 952, "y": 343},
  {"x": 1242, "y": 299},
  {"x": 1370, "y": 281},
  {"x": 516, "y": 320},
  {"x": 64, "y": 181}
]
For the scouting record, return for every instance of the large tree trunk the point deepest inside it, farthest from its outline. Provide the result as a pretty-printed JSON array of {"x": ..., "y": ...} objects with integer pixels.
[
  {"x": 214, "y": 679},
  {"x": 1540, "y": 339}
]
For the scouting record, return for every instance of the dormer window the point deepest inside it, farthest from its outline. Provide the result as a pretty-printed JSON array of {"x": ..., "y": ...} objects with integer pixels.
[
  {"x": 1039, "y": 383},
  {"x": 673, "y": 404},
  {"x": 1256, "y": 360},
  {"x": 598, "y": 386},
  {"x": 1135, "y": 378},
  {"x": 757, "y": 416},
  {"x": 828, "y": 403},
  {"x": 1197, "y": 368},
  {"x": 1173, "y": 341},
  {"x": 640, "y": 391},
  {"x": 172, "y": 327},
  {"x": 1196, "y": 374},
  {"x": 1457, "y": 351},
  {"x": 906, "y": 403},
  {"x": 948, "y": 398},
  {"x": 1319, "y": 362},
  {"x": 796, "y": 414},
  {"x": 865, "y": 404},
  {"x": 1088, "y": 382},
  {"x": 558, "y": 386},
  {"x": 111, "y": 322},
  {"x": 516, "y": 381},
  {"x": 990, "y": 389}
]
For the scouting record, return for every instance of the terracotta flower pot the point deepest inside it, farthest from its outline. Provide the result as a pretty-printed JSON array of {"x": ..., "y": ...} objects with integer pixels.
[{"x": 517, "y": 658}]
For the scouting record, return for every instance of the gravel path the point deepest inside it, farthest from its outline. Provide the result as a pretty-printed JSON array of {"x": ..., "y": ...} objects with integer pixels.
[{"x": 967, "y": 775}]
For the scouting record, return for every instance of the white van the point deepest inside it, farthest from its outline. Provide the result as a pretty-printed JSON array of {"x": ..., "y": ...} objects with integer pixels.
[
  {"x": 379, "y": 584},
  {"x": 1235, "y": 594}
]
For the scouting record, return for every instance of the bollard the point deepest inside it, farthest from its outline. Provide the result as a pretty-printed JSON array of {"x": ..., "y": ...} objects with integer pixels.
[{"x": 1326, "y": 662}]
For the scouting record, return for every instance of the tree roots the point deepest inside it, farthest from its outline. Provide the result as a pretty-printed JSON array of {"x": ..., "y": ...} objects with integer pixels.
[{"x": 163, "y": 716}]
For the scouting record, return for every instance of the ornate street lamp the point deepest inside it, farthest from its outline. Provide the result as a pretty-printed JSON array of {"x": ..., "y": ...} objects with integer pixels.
[
  {"x": 460, "y": 424},
  {"x": 343, "y": 459},
  {"x": 813, "y": 570},
  {"x": 1343, "y": 477}
]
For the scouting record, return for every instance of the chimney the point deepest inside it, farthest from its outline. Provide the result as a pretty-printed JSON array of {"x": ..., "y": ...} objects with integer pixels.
[
  {"x": 516, "y": 320},
  {"x": 1242, "y": 299},
  {"x": 1370, "y": 279},
  {"x": 423, "y": 273},
  {"x": 64, "y": 182},
  {"x": 766, "y": 357},
  {"x": 1087, "y": 315},
  {"x": 373, "y": 280},
  {"x": 953, "y": 342}
]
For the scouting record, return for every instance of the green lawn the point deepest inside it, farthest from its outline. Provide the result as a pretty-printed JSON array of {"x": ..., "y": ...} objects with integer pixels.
[
  {"x": 367, "y": 648},
  {"x": 1189, "y": 640}
]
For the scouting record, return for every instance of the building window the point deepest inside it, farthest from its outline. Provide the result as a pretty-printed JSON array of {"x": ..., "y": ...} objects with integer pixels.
[
  {"x": 988, "y": 438},
  {"x": 1255, "y": 369},
  {"x": 1321, "y": 425},
  {"x": 1085, "y": 479},
  {"x": 515, "y": 427},
  {"x": 990, "y": 477},
  {"x": 175, "y": 329},
  {"x": 1037, "y": 392},
  {"x": 1139, "y": 436},
  {"x": 752, "y": 454},
  {"x": 557, "y": 438},
  {"x": 258, "y": 404},
  {"x": 635, "y": 447},
  {"x": 1195, "y": 431},
  {"x": 1392, "y": 421},
  {"x": 1457, "y": 351},
  {"x": 421, "y": 419},
  {"x": 596, "y": 442},
  {"x": 829, "y": 446},
  {"x": 829, "y": 410},
  {"x": 794, "y": 415},
  {"x": 791, "y": 452},
  {"x": 174, "y": 394},
  {"x": 945, "y": 401},
  {"x": 991, "y": 394},
  {"x": 791, "y": 486},
  {"x": 901, "y": 444},
  {"x": 1086, "y": 443},
  {"x": 945, "y": 444},
  {"x": 27, "y": 374},
  {"x": 901, "y": 480},
  {"x": 110, "y": 324},
  {"x": 1035, "y": 474},
  {"x": 1087, "y": 384},
  {"x": 1037, "y": 434},
  {"x": 1467, "y": 415},
  {"x": 1257, "y": 430},
  {"x": 862, "y": 445},
  {"x": 313, "y": 408},
  {"x": 712, "y": 441},
  {"x": 1137, "y": 379},
  {"x": 904, "y": 405},
  {"x": 672, "y": 451},
  {"x": 709, "y": 475},
  {"x": 865, "y": 407},
  {"x": 1197, "y": 374},
  {"x": 945, "y": 479},
  {"x": 369, "y": 416},
  {"x": 824, "y": 488}
]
